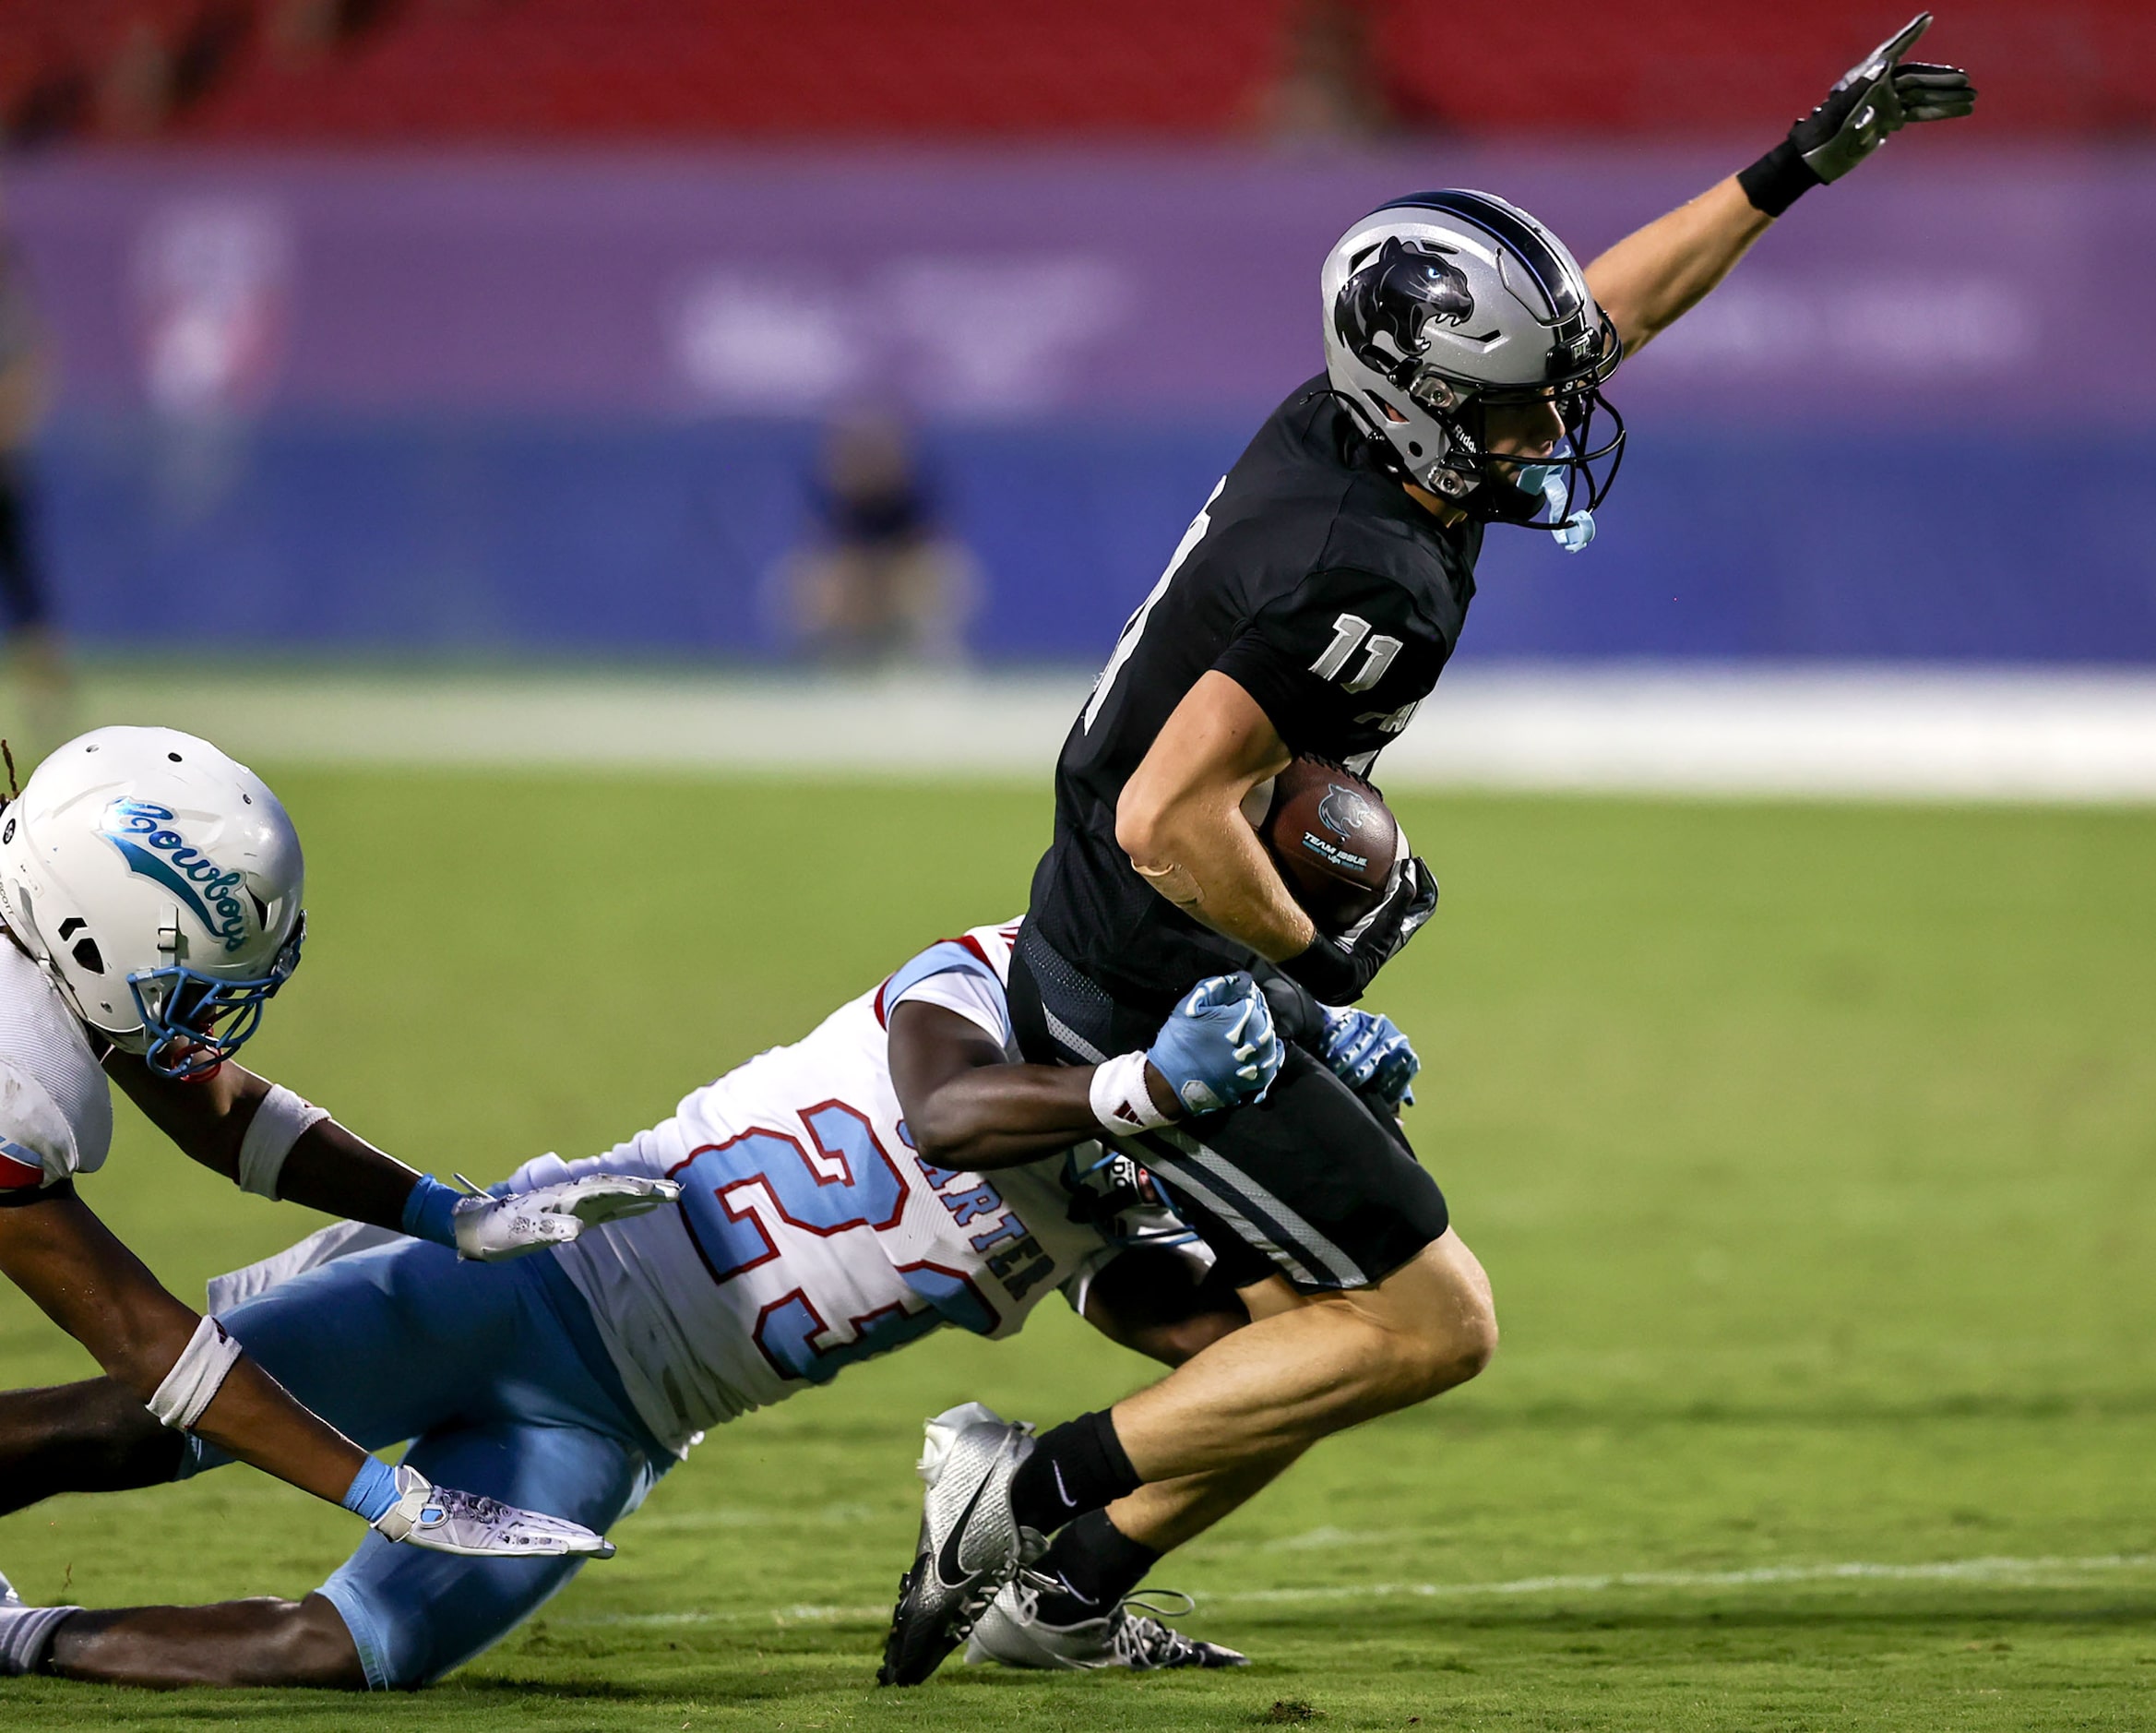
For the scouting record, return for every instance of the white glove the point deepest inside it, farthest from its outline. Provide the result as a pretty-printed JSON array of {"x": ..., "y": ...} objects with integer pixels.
[
  {"x": 443, "y": 1520},
  {"x": 496, "y": 1229}
]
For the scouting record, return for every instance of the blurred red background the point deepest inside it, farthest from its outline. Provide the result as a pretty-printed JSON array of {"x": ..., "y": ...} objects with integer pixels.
[{"x": 363, "y": 70}]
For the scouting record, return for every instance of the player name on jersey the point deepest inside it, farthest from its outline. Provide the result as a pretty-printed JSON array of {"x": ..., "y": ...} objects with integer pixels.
[{"x": 811, "y": 1234}]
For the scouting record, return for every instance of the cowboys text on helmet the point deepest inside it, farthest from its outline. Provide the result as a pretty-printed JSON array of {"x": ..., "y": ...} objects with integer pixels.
[{"x": 158, "y": 883}]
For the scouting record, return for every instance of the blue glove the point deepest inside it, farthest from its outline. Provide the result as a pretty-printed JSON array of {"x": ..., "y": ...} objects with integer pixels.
[
  {"x": 1367, "y": 1052},
  {"x": 1218, "y": 1049}
]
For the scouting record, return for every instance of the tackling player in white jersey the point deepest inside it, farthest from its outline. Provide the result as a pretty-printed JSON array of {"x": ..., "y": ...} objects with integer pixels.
[
  {"x": 149, "y": 908},
  {"x": 816, "y": 1227}
]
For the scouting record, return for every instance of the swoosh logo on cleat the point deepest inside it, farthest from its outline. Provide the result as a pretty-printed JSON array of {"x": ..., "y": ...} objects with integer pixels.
[{"x": 949, "y": 1570}]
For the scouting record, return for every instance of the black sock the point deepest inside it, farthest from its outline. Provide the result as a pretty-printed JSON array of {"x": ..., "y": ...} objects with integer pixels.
[
  {"x": 1097, "y": 1563},
  {"x": 1075, "y": 1467}
]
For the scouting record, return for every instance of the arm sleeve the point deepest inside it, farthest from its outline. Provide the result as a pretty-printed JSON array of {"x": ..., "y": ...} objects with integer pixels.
[
  {"x": 1341, "y": 645},
  {"x": 972, "y": 993},
  {"x": 37, "y": 1144}
]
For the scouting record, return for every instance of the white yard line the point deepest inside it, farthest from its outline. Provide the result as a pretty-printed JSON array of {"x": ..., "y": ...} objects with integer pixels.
[
  {"x": 1921, "y": 734},
  {"x": 1947, "y": 1571},
  {"x": 2034, "y": 1572}
]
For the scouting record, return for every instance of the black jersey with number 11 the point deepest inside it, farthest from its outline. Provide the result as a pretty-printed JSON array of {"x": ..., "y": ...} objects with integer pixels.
[{"x": 1314, "y": 581}]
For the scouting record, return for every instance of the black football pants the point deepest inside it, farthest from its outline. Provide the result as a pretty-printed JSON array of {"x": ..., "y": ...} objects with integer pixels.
[{"x": 1311, "y": 1183}]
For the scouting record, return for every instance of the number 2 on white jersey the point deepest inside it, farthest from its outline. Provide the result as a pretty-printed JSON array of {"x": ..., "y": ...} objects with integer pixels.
[{"x": 1134, "y": 629}]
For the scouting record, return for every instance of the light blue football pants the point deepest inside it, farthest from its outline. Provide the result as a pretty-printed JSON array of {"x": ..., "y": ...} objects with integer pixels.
[{"x": 497, "y": 1374}]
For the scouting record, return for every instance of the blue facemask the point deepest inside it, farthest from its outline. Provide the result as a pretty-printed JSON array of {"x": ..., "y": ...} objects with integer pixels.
[{"x": 1548, "y": 479}]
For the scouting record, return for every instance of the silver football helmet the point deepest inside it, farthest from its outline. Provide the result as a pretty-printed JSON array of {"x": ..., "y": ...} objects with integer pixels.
[
  {"x": 157, "y": 884},
  {"x": 1442, "y": 304}
]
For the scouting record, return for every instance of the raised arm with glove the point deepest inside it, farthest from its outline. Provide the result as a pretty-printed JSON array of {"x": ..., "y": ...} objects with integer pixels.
[
  {"x": 1651, "y": 278},
  {"x": 1874, "y": 99}
]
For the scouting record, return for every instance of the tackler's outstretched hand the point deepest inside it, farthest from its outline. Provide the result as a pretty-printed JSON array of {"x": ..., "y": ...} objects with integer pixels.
[
  {"x": 1218, "y": 1048},
  {"x": 441, "y": 1519},
  {"x": 493, "y": 1230}
]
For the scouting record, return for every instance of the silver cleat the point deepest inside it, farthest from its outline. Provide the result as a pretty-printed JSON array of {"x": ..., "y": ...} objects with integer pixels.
[
  {"x": 1129, "y": 1635},
  {"x": 971, "y": 1543}
]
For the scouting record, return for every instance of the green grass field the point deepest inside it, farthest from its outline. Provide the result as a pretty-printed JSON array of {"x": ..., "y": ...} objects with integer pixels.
[{"x": 1812, "y": 1151}]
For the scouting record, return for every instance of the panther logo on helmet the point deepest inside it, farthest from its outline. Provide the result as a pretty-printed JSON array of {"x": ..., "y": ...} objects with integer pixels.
[{"x": 1385, "y": 310}]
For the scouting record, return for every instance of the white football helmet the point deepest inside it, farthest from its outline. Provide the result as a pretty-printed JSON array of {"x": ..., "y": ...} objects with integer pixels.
[
  {"x": 1440, "y": 304},
  {"x": 158, "y": 883}
]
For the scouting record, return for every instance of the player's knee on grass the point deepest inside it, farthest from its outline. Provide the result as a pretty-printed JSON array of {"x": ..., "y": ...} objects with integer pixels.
[{"x": 307, "y": 1644}]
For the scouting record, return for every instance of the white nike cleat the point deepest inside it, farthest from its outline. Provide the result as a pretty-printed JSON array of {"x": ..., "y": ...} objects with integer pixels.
[
  {"x": 441, "y": 1519},
  {"x": 971, "y": 1543},
  {"x": 1012, "y": 1633}
]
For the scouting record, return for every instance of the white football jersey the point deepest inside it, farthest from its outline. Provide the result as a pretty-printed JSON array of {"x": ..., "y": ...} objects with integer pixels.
[
  {"x": 810, "y": 1234},
  {"x": 55, "y": 1105}
]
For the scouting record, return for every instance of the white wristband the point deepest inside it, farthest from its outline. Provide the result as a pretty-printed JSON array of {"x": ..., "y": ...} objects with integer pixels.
[
  {"x": 279, "y": 1123},
  {"x": 1120, "y": 1101},
  {"x": 196, "y": 1376}
]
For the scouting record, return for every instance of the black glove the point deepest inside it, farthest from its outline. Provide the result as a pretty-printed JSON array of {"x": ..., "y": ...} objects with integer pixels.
[
  {"x": 1297, "y": 1017},
  {"x": 1876, "y": 97},
  {"x": 1338, "y": 971}
]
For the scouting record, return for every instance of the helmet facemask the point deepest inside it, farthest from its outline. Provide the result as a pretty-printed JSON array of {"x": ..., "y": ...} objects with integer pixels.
[
  {"x": 1444, "y": 307},
  {"x": 193, "y": 1022},
  {"x": 1556, "y": 491},
  {"x": 1567, "y": 483}
]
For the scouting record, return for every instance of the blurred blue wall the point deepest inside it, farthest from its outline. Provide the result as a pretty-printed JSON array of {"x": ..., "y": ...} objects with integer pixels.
[
  {"x": 568, "y": 405},
  {"x": 572, "y": 539}
]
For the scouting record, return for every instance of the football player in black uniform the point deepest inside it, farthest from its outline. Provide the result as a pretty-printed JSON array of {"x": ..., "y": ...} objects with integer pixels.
[{"x": 1309, "y": 609}]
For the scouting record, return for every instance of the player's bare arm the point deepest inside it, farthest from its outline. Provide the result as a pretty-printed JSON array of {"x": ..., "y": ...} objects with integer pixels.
[
  {"x": 1151, "y": 1294},
  {"x": 267, "y": 1139},
  {"x": 150, "y": 902},
  {"x": 66, "y": 1260},
  {"x": 967, "y": 1106},
  {"x": 326, "y": 1167},
  {"x": 1654, "y": 275},
  {"x": 1179, "y": 818}
]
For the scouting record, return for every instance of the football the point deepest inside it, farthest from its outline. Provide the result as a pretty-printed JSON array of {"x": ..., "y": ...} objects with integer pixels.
[{"x": 1332, "y": 836}]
